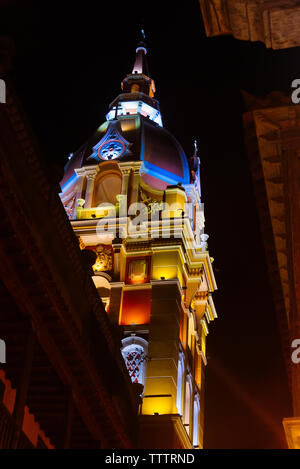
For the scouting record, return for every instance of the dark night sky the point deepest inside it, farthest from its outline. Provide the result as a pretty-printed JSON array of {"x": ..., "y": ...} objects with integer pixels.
[{"x": 70, "y": 60}]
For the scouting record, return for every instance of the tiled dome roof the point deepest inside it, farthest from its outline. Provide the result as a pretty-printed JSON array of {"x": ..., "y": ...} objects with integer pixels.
[{"x": 164, "y": 161}]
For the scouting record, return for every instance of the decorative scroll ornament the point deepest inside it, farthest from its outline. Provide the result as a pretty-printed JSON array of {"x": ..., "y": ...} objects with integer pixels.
[
  {"x": 81, "y": 243},
  {"x": 152, "y": 205},
  {"x": 104, "y": 259},
  {"x": 112, "y": 145},
  {"x": 69, "y": 206}
]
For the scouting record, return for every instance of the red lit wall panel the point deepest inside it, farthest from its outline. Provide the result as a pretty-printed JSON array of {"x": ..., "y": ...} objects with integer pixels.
[{"x": 136, "y": 306}]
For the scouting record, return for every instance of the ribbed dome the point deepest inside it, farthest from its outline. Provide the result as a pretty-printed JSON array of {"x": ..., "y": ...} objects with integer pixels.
[{"x": 164, "y": 161}]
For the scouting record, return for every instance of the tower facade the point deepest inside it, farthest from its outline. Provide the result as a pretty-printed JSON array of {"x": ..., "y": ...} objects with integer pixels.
[{"x": 134, "y": 202}]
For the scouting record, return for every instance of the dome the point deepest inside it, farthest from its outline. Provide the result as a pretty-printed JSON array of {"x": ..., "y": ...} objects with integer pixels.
[{"x": 135, "y": 138}]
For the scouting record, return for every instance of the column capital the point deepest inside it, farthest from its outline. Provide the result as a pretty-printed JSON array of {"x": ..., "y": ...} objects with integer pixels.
[
  {"x": 87, "y": 171},
  {"x": 91, "y": 175}
]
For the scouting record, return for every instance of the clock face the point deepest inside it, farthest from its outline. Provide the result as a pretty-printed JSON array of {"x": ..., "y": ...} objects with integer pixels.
[{"x": 111, "y": 149}]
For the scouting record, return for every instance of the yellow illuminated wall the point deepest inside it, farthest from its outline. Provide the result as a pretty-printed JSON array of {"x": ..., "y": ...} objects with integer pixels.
[
  {"x": 167, "y": 264},
  {"x": 203, "y": 341}
]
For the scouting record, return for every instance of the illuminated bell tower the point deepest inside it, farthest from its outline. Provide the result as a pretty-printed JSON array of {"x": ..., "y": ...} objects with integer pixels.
[{"x": 134, "y": 199}]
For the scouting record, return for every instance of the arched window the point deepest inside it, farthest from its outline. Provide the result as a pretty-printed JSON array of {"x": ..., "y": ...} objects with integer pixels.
[
  {"x": 187, "y": 403},
  {"x": 108, "y": 184},
  {"x": 103, "y": 287},
  {"x": 180, "y": 373},
  {"x": 134, "y": 352},
  {"x": 196, "y": 421}
]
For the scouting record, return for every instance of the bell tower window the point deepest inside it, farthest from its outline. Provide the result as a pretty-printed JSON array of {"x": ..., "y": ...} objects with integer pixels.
[{"x": 134, "y": 352}]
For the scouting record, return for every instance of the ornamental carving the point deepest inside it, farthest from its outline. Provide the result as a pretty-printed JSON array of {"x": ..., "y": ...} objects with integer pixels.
[
  {"x": 152, "y": 205},
  {"x": 81, "y": 243},
  {"x": 112, "y": 145},
  {"x": 195, "y": 271},
  {"x": 69, "y": 206},
  {"x": 104, "y": 258},
  {"x": 137, "y": 270}
]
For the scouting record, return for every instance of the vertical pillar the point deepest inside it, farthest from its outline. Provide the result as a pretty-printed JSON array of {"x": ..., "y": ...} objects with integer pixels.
[
  {"x": 125, "y": 177},
  {"x": 130, "y": 188},
  {"x": 135, "y": 185},
  {"x": 79, "y": 186},
  {"x": 77, "y": 196},
  {"x": 116, "y": 250},
  {"x": 161, "y": 378},
  {"x": 89, "y": 189}
]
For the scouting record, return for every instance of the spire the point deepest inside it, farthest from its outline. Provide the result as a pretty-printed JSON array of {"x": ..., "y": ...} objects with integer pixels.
[
  {"x": 138, "y": 88},
  {"x": 140, "y": 64},
  {"x": 138, "y": 81}
]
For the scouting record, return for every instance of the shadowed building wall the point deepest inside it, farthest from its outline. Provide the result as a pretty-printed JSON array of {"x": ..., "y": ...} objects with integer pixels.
[
  {"x": 275, "y": 23},
  {"x": 272, "y": 138},
  {"x": 64, "y": 383}
]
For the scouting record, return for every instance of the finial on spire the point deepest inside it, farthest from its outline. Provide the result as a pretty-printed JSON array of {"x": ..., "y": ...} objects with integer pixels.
[
  {"x": 139, "y": 80},
  {"x": 140, "y": 65},
  {"x": 195, "y": 147},
  {"x": 142, "y": 45},
  {"x": 194, "y": 163}
]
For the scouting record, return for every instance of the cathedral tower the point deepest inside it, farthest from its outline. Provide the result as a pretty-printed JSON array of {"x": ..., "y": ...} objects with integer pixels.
[{"x": 134, "y": 199}]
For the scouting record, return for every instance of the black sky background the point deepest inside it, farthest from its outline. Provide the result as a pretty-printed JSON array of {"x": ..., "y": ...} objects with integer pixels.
[{"x": 70, "y": 60}]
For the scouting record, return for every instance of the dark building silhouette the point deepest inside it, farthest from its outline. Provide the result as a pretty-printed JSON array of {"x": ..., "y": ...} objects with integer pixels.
[{"x": 64, "y": 383}]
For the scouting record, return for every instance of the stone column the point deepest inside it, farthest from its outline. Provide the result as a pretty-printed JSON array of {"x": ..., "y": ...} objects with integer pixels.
[
  {"x": 79, "y": 187},
  {"x": 89, "y": 189},
  {"x": 116, "y": 250}
]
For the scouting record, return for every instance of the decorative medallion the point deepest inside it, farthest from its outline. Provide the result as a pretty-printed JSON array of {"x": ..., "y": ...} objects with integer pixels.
[{"x": 112, "y": 145}]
